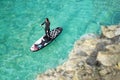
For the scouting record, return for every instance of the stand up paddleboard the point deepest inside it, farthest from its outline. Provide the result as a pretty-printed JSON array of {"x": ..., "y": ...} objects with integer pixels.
[{"x": 44, "y": 40}]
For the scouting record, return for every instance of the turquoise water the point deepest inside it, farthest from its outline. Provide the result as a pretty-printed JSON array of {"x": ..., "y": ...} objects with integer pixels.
[{"x": 19, "y": 29}]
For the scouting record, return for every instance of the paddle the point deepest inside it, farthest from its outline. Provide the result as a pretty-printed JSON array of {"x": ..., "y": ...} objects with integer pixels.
[{"x": 41, "y": 26}]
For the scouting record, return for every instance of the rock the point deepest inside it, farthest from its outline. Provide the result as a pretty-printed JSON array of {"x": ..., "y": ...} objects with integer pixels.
[
  {"x": 71, "y": 64},
  {"x": 50, "y": 72},
  {"x": 59, "y": 69},
  {"x": 88, "y": 46},
  {"x": 114, "y": 48},
  {"x": 81, "y": 53},
  {"x": 111, "y": 31},
  {"x": 115, "y": 39},
  {"x": 117, "y": 32},
  {"x": 111, "y": 56},
  {"x": 77, "y": 53},
  {"x": 102, "y": 44},
  {"x": 92, "y": 58},
  {"x": 88, "y": 36},
  {"x": 42, "y": 77},
  {"x": 107, "y": 33},
  {"x": 118, "y": 65},
  {"x": 103, "y": 72},
  {"x": 81, "y": 64},
  {"x": 62, "y": 78},
  {"x": 75, "y": 77}
]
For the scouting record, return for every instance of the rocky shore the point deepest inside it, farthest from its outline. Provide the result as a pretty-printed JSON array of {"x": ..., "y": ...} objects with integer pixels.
[{"x": 92, "y": 58}]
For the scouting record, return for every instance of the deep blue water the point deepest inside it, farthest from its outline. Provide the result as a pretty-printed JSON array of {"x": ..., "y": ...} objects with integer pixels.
[{"x": 19, "y": 29}]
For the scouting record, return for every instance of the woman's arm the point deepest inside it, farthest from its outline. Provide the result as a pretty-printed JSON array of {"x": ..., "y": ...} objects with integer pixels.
[{"x": 43, "y": 23}]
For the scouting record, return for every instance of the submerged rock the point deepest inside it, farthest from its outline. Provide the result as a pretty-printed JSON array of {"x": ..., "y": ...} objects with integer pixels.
[{"x": 92, "y": 58}]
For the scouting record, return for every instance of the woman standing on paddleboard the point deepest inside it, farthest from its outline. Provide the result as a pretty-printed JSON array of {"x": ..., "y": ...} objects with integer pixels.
[{"x": 47, "y": 27}]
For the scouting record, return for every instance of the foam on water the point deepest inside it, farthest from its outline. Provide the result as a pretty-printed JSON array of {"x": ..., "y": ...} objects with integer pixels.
[{"x": 19, "y": 29}]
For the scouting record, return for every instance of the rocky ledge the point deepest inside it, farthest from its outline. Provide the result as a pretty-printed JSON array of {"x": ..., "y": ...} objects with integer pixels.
[{"x": 92, "y": 58}]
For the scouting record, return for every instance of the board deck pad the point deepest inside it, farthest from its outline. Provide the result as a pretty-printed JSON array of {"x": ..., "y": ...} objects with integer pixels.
[{"x": 44, "y": 40}]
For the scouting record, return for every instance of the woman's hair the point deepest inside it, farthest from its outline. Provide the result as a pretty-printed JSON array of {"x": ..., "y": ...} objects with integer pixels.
[{"x": 47, "y": 19}]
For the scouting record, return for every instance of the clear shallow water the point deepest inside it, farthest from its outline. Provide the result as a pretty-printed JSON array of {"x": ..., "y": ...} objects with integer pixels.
[{"x": 19, "y": 29}]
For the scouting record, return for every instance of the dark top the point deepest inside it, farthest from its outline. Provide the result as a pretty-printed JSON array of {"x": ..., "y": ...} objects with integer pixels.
[{"x": 47, "y": 25}]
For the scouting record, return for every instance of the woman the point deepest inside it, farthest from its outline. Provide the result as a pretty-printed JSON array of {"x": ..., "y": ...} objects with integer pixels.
[{"x": 47, "y": 27}]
